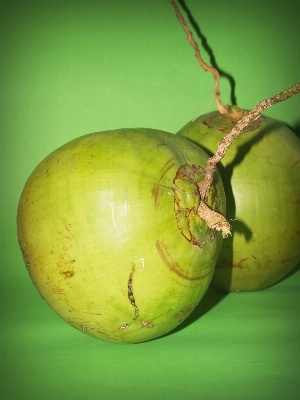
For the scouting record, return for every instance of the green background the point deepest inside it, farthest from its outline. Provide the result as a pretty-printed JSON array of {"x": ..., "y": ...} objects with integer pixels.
[{"x": 73, "y": 67}]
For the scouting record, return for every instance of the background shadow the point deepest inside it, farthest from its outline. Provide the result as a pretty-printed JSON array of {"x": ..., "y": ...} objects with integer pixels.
[
  {"x": 238, "y": 226},
  {"x": 210, "y": 53},
  {"x": 213, "y": 296}
]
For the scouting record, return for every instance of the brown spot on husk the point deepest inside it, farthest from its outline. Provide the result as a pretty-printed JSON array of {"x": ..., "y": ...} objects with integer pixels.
[
  {"x": 130, "y": 292},
  {"x": 146, "y": 324},
  {"x": 239, "y": 264},
  {"x": 224, "y": 123},
  {"x": 156, "y": 192},
  {"x": 67, "y": 274},
  {"x": 296, "y": 163},
  {"x": 171, "y": 264}
]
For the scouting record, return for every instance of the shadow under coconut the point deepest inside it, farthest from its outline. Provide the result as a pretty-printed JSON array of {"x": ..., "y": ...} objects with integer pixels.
[
  {"x": 295, "y": 129},
  {"x": 211, "y": 298},
  {"x": 289, "y": 275},
  {"x": 238, "y": 225}
]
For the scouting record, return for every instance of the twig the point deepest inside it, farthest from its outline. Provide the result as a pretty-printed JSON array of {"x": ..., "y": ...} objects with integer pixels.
[
  {"x": 223, "y": 145},
  {"x": 222, "y": 109},
  {"x": 212, "y": 218}
]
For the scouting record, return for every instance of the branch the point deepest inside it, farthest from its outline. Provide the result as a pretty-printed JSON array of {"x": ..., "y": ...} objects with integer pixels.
[
  {"x": 222, "y": 109},
  {"x": 226, "y": 142}
]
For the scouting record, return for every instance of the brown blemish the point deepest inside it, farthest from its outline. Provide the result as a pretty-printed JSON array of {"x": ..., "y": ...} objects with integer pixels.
[
  {"x": 57, "y": 290},
  {"x": 67, "y": 227},
  {"x": 264, "y": 240},
  {"x": 155, "y": 194},
  {"x": 171, "y": 264},
  {"x": 156, "y": 187},
  {"x": 224, "y": 123},
  {"x": 296, "y": 163},
  {"x": 180, "y": 313},
  {"x": 185, "y": 310},
  {"x": 67, "y": 274},
  {"x": 82, "y": 327},
  {"x": 146, "y": 324},
  {"x": 130, "y": 292},
  {"x": 65, "y": 263},
  {"x": 239, "y": 264},
  {"x": 286, "y": 260},
  {"x": 166, "y": 168},
  {"x": 124, "y": 326}
]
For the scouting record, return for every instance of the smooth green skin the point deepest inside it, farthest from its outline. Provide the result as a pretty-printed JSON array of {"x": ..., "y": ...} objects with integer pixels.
[
  {"x": 96, "y": 225},
  {"x": 261, "y": 177}
]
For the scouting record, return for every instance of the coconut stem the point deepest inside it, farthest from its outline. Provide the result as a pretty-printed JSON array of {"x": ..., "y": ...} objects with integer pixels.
[
  {"x": 222, "y": 109},
  {"x": 225, "y": 143}
]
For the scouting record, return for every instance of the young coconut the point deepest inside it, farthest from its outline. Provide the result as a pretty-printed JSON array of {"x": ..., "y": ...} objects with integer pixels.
[
  {"x": 120, "y": 230},
  {"x": 261, "y": 176},
  {"x": 111, "y": 236}
]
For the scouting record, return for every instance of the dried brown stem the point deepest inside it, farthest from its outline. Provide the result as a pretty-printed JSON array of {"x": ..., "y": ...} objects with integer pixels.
[
  {"x": 222, "y": 109},
  {"x": 227, "y": 140}
]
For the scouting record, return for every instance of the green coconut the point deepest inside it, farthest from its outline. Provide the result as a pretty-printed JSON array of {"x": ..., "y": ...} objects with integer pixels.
[
  {"x": 261, "y": 177},
  {"x": 110, "y": 234}
]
